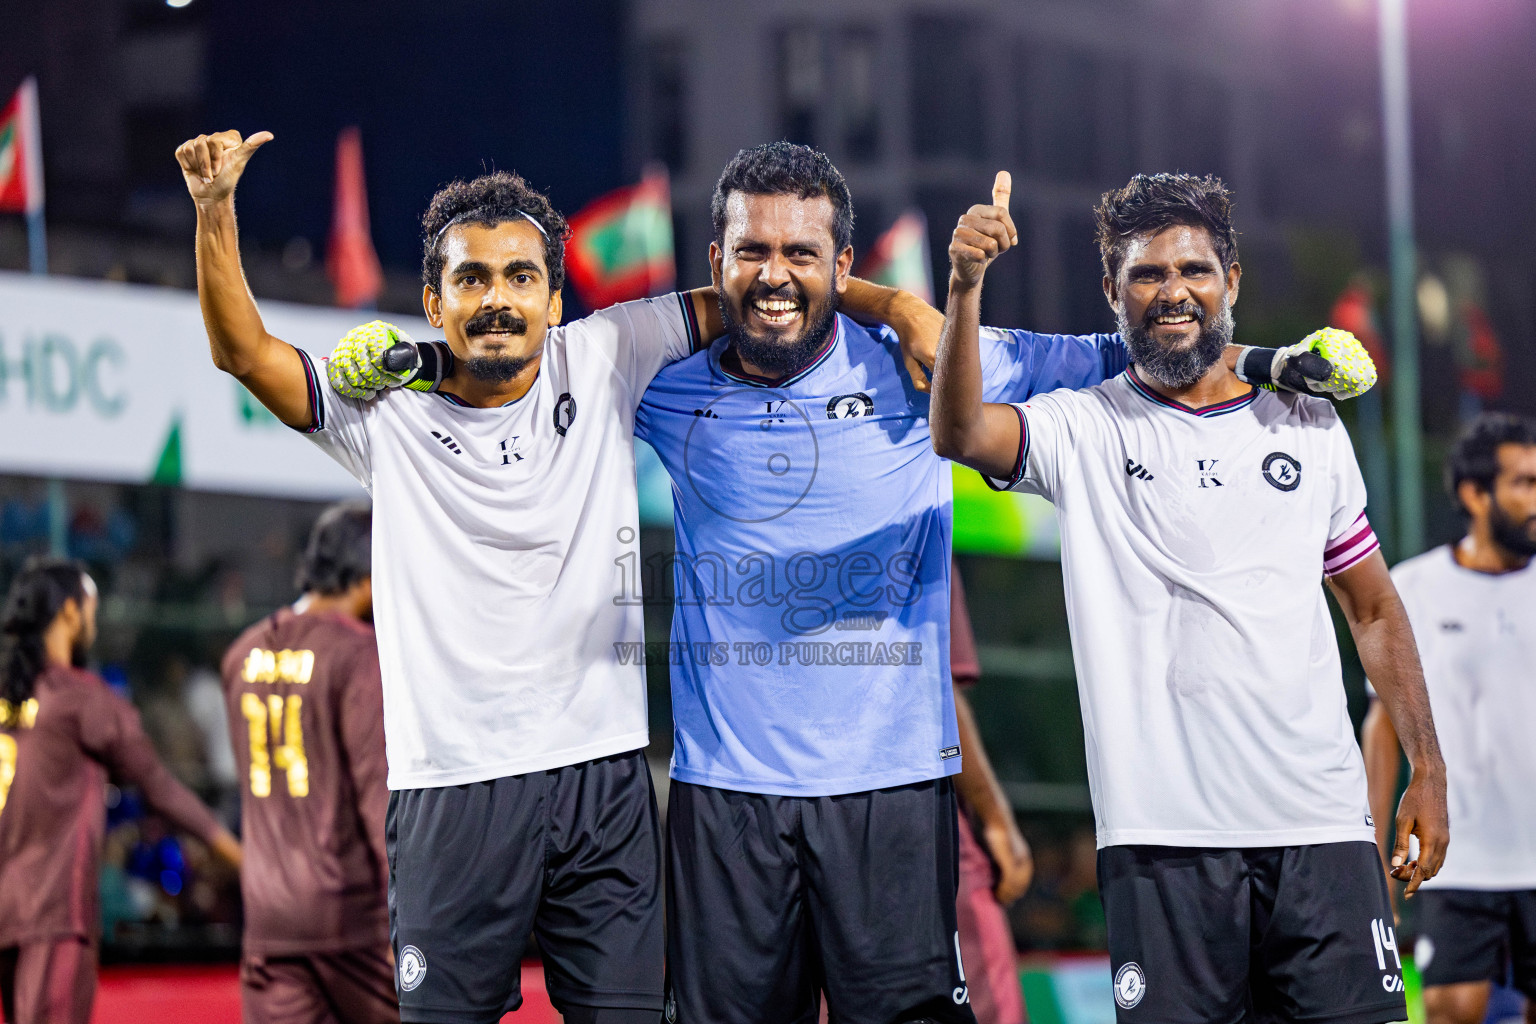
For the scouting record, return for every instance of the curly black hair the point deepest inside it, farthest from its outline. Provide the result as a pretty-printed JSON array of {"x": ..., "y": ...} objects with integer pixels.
[
  {"x": 1476, "y": 454},
  {"x": 37, "y": 593},
  {"x": 340, "y": 550},
  {"x": 490, "y": 200},
  {"x": 1152, "y": 202},
  {"x": 785, "y": 168}
]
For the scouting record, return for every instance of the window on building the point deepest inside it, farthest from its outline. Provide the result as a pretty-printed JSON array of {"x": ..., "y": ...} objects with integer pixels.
[
  {"x": 949, "y": 87},
  {"x": 1059, "y": 103},
  {"x": 856, "y": 89},
  {"x": 666, "y": 101},
  {"x": 1203, "y": 143},
  {"x": 802, "y": 83}
]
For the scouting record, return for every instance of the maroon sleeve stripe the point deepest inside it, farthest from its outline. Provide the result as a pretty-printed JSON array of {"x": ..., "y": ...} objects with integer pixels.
[
  {"x": 1018, "y": 466},
  {"x": 695, "y": 342},
  {"x": 316, "y": 396},
  {"x": 1343, "y": 554}
]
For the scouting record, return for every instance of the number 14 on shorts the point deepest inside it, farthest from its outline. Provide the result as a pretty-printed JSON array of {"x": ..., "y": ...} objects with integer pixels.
[{"x": 1386, "y": 942}]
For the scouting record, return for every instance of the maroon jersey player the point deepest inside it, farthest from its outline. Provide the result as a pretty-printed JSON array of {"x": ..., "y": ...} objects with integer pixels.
[
  {"x": 307, "y": 719},
  {"x": 62, "y": 732},
  {"x": 995, "y": 866}
]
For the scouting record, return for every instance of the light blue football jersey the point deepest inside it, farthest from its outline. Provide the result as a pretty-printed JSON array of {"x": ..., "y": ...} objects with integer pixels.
[{"x": 810, "y": 630}]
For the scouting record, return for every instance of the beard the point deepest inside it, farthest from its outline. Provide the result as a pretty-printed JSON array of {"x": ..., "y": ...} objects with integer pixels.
[
  {"x": 496, "y": 369},
  {"x": 1516, "y": 536},
  {"x": 80, "y": 653},
  {"x": 1178, "y": 367},
  {"x": 775, "y": 356}
]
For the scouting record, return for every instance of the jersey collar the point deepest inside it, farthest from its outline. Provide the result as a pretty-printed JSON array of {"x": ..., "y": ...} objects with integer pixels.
[
  {"x": 1219, "y": 409},
  {"x": 753, "y": 380}
]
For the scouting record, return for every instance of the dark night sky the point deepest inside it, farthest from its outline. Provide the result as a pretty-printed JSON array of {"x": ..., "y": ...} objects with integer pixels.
[{"x": 440, "y": 91}]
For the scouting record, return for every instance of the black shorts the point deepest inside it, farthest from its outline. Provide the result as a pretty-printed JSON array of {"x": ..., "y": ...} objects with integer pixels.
[
  {"x": 572, "y": 855},
  {"x": 1216, "y": 936},
  {"x": 1474, "y": 935},
  {"x": 773, "y": 898}
]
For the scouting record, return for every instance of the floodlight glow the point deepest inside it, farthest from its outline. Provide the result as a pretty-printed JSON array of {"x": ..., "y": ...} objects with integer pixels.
[{"x": 177, "y": 3}]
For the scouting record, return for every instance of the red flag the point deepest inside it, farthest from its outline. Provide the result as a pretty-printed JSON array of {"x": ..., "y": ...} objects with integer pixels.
[
  {"x": 1482, "y": 364},
  {"x": 620, "y": 246},
  {"x": 21, "y": 153},
  {"x": 1354, "y": 312},
  {"x": 350, "y": 261}
]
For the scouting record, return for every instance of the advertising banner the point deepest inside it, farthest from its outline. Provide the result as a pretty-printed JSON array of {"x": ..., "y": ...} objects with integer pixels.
[{"x": 107, "y": 381}]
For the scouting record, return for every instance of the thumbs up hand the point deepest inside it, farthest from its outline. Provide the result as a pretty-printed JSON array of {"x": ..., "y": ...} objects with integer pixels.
[
  {"x": 212, "y": 164},
  {"x": 984, "y": 233}
]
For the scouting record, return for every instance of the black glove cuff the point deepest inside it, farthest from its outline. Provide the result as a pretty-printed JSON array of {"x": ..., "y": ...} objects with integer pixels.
[
  {"x": 1255, "y": 365},
  {"x": 436, "y": 366}
]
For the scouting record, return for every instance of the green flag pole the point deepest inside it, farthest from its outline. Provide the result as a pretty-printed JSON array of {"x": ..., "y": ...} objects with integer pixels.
[
  {"x": 37, "y": 242},
  {"x": 1405, "y": 334}
]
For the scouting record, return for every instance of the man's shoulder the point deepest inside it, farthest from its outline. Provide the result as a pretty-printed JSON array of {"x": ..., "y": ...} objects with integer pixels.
[
  {"x": 1109, "y": 399},
  {"x": 1430, "y": 567}
]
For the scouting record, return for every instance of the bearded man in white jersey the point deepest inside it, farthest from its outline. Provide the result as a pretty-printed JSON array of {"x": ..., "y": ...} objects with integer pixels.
[
  {"x": 1473, "y": 609},
  {"x": 1198, "y": 517}
]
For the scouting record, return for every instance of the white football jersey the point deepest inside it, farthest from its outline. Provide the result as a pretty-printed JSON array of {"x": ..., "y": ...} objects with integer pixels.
[
  {"x": 1193, "y": 546},
  {"x": 1477, "y": 639},
  {"x": 497, "y": 536}
]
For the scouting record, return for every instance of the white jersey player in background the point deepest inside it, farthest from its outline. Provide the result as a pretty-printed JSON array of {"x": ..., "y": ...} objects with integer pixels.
[
  {"x": 1199, "y": 517},
  {"x": 1473, "y": 609}
]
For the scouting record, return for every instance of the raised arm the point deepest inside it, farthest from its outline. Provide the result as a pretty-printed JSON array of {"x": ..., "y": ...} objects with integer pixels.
[
  {"x": 270, "y": 369},
  {"x": 1384, "y": 639},
  {"x": 984, "y": 436}
]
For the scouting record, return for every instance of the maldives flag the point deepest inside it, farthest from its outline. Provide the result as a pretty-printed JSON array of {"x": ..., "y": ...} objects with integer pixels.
[
  {"x": 899, "y": 258},
  {"x": 21, "y": 153},
  {"x": 620, "y": 246},
  {"x": 350, "y": 261}
]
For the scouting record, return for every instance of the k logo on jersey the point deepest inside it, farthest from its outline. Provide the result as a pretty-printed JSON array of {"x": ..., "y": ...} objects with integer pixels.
[
  {"x": 847, "y": 407},
  {"x": 1282, "y": 471},
  {"x": 565, "y": 413}
]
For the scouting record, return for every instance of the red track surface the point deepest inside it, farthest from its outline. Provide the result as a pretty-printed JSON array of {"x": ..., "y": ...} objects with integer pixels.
[{"x": 211, "y": 995}]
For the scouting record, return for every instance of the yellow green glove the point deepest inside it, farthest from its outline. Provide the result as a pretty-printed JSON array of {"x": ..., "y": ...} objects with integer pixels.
[
  {"x": 1326, "y": 362},
  {"x": 356, "y": 365}
]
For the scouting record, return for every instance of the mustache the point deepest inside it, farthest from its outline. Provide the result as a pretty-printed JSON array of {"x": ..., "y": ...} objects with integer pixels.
[
  {"x": 1165, "y": 309},
  {"x": 499, "y": 320}
]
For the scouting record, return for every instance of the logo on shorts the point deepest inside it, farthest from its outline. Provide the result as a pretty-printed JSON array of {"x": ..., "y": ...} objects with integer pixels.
[
  {"x": 1282, "y": 471},
  {"x": 1423, "y": 952},
  {"x": 413, "y": 967},
  {"x": 670, "y": 1010},
  {"x": 1130, "y": 985}
]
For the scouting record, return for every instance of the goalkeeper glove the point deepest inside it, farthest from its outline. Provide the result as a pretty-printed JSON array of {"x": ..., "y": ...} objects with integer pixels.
[
  {"x": 379, "y": 355},
  {"x": 1330, "y": 362},
  {"x": 356, "y": 366}
]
